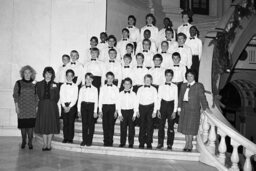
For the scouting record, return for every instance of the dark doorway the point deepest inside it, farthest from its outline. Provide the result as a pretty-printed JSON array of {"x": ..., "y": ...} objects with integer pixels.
[{"x": 200, "y": 6}]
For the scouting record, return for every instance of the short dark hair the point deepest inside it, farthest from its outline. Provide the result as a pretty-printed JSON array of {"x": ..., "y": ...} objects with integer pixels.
[
  {"x": 165, "y": 42},
  {"x": 130, "y": 45},
  {"x": 110, "y": 74},
  {"x": 147, "y": 30},
  {"x": 182, "y": 34},
  {"x": 176, "y": 54},
  {"x": 112, "y": 37},
  {"x": 197, "y": 31},
  {"x": 193, "y": 72},
  {"x": 49, "y": 70},
  {"x": 104, "y": 33},
  {"x": 168, "y": 71},
  {"x": 127, "y": 56},
  {"x": 146, "y": 40},
  {"x": 74, "y": 51},
  {"x": 189, "y": 14},
  {"x": 66, "y": 56},
  {"x": 158, "y": 56},
  {"x": 169, "y": 20},
  {"x": 94, "y": 38},
  {"x": 70, "y": 71},
  {"x": 112, "y": 49},
  {"x": 152, "y": 16},
  {"x": 95, "y": 49},
  {"x": 133, "y": 17},
  {"x": 88, "y": 74},
  {"x": 169, "y": 29},
  {"x": 148, "y": 76},
  {"x": 125, "y": 29},
  {"x": 128, "y": 79},
  {"x": 140, "y": 54}
]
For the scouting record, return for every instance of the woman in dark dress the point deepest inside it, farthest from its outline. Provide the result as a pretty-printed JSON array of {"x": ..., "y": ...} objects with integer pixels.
[
  {"x": 47, "y": 120},
  {"x": 191, "y": 99},
  {"x": 25, "y": 99}
]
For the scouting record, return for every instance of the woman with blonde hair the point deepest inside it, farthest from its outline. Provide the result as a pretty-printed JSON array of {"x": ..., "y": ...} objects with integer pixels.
[{"x": 25, "y": 98}]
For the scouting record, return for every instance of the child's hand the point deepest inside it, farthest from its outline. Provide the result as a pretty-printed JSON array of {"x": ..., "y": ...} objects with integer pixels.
[
  {"x": 153, "y": 115},
  {"x": 138, "y": 114},
  {"x": 173, "y": 115},
  {"x": 100, "y": 115},
  {"x": 159, "y": 114},
  {"x": 79, "y": 114},
  {"x": 134, "y": 117},
  {"x": 95, "y": 115},
  {"x": 121, "y": 118},
  {"x": 179, "y": 113},
  {"x": 17, "y": 110},
  {"x": 115, "y": 114}
]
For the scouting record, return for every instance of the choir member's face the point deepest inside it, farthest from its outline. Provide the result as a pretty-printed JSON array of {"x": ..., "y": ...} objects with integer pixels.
[
  {"x": 147, "y": 34},
  {"x": 147, "y": 81},
  {"x": 190, "y": 78},
  {"x": 127, "y": 85},
  {"x": 146, "y": 45},
  {"x": 149, "y": 20},
  {"x": 88, "y": 80},
  {"x": 176, "y": 60},
  {"x": 168, "y": 77},
  {"x": 168, "y": 35},
  {"x": 48, "y": 76},
  {"x": 192, "y": 32},
  {"x": 93, "y": 43},
  {"x": 27, "y": 74},
  {"x": 125, "y": 34},
  {"x": 131, "y": 22},
  {"x": 157, "y": 61},
  {"x": 139, "y": 60},
  {"x": 112, "y": 55},
  {"x": 185, "y": 18},
  {"x": 129, "y": 49},
  {"x": 74, "y": 56},
  {"x": 166, "y": 22},
  {"x": 110, "y": 79},
  {"x": 127, "y": 61},
  {"x": 181, "y": 40},
  {"x": 94, "y": 54},
  {"x": 103, "y": 37},
  {"x": 111, "y": 42},
  {"x": 69, "y": 76},
  {"x": 164, "y": 47},
  {"x": 65, "y": 60}
]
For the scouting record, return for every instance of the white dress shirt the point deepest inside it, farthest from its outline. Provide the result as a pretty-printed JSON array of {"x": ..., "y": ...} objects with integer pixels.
[
  {"x": 172, "y": 46},
  {"x": 127, "y": 71},
  {"x": 139, "y": 73},
  {"x": 134, "y": 33},
  {"x": 101, "y": 46},
  {"x": 185, "y": 98},
  {"x": 153, "y": 29},
  {"x": 114, "y": 67},
  {"x": 78, "y": 68},
  {"x": 152, "y": 47},
  {"x": 61, "y": 74},
  {"x": 167, "y": 60},
  {"x": 127, "y": 101},
  {"x": 108, "y": 95},
  {"x": 179, "y": 73},
  {"x": 148, "y": 58},
  {"x": 68, "y": 94},
  {"x": 95, "y": 67},
  {"x": 88, "y": 94},
  {"x": 184, "y": 28},
  {"x": 162, "y": 36},
  {"x": 186, "y": 55},
  {"x": 104, "y": 55},
  {"x": 147, "y": 96},
  {"x": 195, "y": 45},
  {"x": 158, "y": 75},
  {"x": 168, "y": 93},
  {"x": 121, "y": 46}
]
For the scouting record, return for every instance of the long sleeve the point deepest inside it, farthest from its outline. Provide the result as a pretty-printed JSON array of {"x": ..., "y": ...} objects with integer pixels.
[
  {"x": 156, "y": 106},
  {"x": 16, "y": 92},
  {"x": 80, "y": 98},
  {"x": 136, "y": 104},
  {"x": 74, "y": 97},
  {"x": 189, "y": 62},
  {"x": 62, "y": 102},
  {"x": 176, "y": 99},
  {"x": 118, "y": 107},
  {"x": 159, "y": 96},
  {"x": 96, "y": 103},
  {"x": 100, "y": 98},
  {"x": 80, "y": 74},
  {"x": 200, "y": 46},
  {"x": 181, "y": 96},
  {"x": 202, "y": 97}
]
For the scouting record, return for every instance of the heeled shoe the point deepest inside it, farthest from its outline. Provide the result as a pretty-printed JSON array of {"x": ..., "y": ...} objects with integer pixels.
[
  {"x": 23, "y": 145},
  {"x": 44, "y": 149},
  {"x": 48, "y": 149},
  {"x": 189, "y": 150},
  {"x": 185, "y": 149},
  {"x": 30, "y": 146}
]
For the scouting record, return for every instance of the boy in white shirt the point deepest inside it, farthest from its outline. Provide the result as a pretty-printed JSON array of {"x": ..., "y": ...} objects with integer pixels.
[
  {"x": 127, "y": 70},
  {"x": 121, "y": 45},
  {"x": 134, "y": 31},
  {"x": 150, "y": 25},
  {"x": 167, "y": 57},
  {"x": 61, "y": 73}
]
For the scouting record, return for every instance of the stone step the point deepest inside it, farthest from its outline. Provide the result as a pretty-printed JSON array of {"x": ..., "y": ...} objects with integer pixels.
[{"x": 98, "y": 148}]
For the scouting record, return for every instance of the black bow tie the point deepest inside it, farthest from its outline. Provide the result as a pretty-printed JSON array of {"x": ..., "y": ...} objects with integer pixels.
[
  {"x": 102, "y": 42},
  {"x": 69, "y": 84},
  {"x": 109, "y": 85},
  {"x": 130, "y": 26},
  {"x": 168, "y": 84},
  {"x": 93, "y": 59},
  {"x": 126, "y": 66},
  {"x": 191, "y": 38},
  {"x": 139, "y": 66},
  {"x": 188, "y": 86},
  {"x": 111, "y": 61},
  {"x": 73, "y": 63},
  {"x": 185, "y": 24},
  {"x": 88, "y": 86},
  {"x": 127, "y": 91},
  {"x": 145, "y": 50},
  {"x": 110, "y": 47},
  {"x": 146, "y": 86},
  {"x": 163, "y": 52},
  {"x": 157, "y": 66},
  {"x": 124, "y": 39},
  {"x": 149, "y": 25},
  {"x": 63, "y": 65},
  {"x": 176, "y": 65},
  {"x": 180, "y": 46}
]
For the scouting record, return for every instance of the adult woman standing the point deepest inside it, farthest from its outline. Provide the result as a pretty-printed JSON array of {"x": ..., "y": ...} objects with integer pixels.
[
  {"x": 191, "y": 99},
  {"x": 47, "y": 120},
  {"x": 25, "y": 99}
]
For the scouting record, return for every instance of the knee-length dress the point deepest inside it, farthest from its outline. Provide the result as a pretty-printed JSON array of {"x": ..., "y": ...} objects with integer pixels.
[
  {"x": 25, "y": 95},
  {"x": 47, "y": 120},
  {"x": 189, "y": 120}
]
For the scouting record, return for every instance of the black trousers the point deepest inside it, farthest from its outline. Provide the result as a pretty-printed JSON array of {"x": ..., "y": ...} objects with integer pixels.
[
  {"x": 176, "y": 120},
  {"x": 166, "y": 111},
  {"x": 108, "y": 122},
  {"x": 195, "y": 64},
  {"x": 127, "y": 121},
  {"x": 146, "y": 125},
  {"x": 68, "y": 123},
  {"x": 88, "y": 122}
]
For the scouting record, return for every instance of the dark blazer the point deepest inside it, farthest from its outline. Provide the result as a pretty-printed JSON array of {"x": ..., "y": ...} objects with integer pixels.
[{"x": 54, "y": 91}]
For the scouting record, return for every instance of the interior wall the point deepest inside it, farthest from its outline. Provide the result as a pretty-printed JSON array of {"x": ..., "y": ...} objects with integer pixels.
[{"x": 38, "y": 33}]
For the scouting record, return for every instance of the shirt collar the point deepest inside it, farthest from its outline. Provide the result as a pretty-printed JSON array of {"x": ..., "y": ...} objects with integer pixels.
[{"x": 192, "y": 83}]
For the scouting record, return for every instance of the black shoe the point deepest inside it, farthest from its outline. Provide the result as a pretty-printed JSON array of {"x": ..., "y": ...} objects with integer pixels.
[
  {"x": 23, "y": 145},
  {"x": 141, "y": 146},
  {"x": 89, "y": 144},
  {"x": 185, "y": 149},
  {"x": 149, "y": 146},
  {"x": 121, "y": 145},
  {"x": 44, "y": 149},
  {"x": 70, "y": 141},
  {"x": 82, "y": 143},
  {"x": 131, "y": 146},
  {"x": 30, "y": 146},
  {"x": 49, "y": 149},
  {"x": 169, "y": 147},
  {"x": 64, "y": 141},
  {"x": 189, "y": 150},
  {"x": 159, "y": 146}
]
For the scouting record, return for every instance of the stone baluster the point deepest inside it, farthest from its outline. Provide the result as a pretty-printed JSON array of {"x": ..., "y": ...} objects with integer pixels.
[
  {"x": 234, "y": 156},
  {"x": 247, "y": 164},
  {"x": 212, "y": 139},
  {"x": 222, "y": 147},
  {"x": 205, "y": 129}
]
